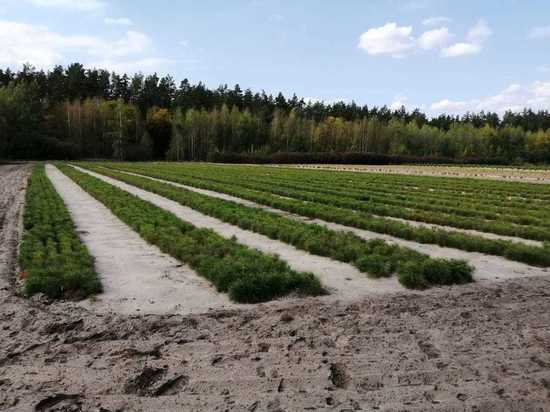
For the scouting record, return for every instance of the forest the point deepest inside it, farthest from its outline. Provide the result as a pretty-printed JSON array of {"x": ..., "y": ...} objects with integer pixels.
[{"x": 73, "y": 112}]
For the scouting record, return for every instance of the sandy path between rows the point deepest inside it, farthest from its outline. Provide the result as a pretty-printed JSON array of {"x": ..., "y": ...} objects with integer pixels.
[
  {"x": 245, "y": 202},
  {"x": 343, "y": 280},
  {"x": 487, "y": 267},
  {"x": 486, "y": 235},
  {"x": 136, "y": 276}
]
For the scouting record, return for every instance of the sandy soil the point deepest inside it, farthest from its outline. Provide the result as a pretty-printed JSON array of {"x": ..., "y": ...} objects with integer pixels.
[
  {"x": 469, "y": 348},
  {"x": 137, "y": 277},
  {"x": 494, "y": 173},
  {"x": 13, "y": 179},
  {"x": 341, "y": 279},
  {"x": 486, "y": 235},
  {"x": 487, "y": 267},
  {"x": 480, "y": 347}
]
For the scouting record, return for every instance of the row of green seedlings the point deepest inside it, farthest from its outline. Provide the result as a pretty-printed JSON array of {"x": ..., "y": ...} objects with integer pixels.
[
  {"x": 375, "y": 257},
  {"x": 474, "y": 204},
  {"x": 472, "y": 189},
  {"x": 52, "y": 258},
  {"x": 405, "y": 211},
  {"x": 514, "y": 250},
  {"x": 317, "y": 194},
  {"x": 538, "y": 256},
  {"x": 454, "y": 184},
  {"x": 432, "y": 190},
  {"x": 247, "y": 275},
  {"x": 380, "y": 203},
  {"x": 455, "y": 204}
]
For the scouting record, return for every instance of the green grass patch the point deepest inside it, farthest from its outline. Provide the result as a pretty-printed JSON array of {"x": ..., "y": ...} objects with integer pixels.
[{"x": 52, "y": 257}]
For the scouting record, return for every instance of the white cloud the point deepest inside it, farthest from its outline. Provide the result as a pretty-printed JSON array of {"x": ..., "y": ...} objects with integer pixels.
[
  {"x": 118, "y": 21},
  {"x": 541, "y": 32},
  {"x": 398, "y": 41},
  {"x": 390, "y": 39},
  {"x": 476, "y": 37},
  {"x": 461, "y": 49},
  {"x": 21, "y": 43},
  {"x": 313, "y": 100},
  {"x": 436, "y": 21},
  {"x": 515, "y": 97},
  {"x": 401, "y": 100},
  {"x": 480, "y": 32},
  {"x": 449, "y": 106},
  {"x": 398, "y": 102},
  {"x": 84, "y": 5},
  {"x": 24, "y": 43},
  {"x": 432, "y": 39},
  {"x": 129, "y": 66},
  {"x": 132, "y": 42},
  {"x": 541, "y": 89}
]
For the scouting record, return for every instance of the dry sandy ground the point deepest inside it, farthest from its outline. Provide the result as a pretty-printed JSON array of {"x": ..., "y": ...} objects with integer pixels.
[
  {"x": 487, "y": 267},
  {"x": 13, "y": 180},
  {"x": 486, "y": 235},
  {"x": 475, "y": 348},
  {"x": 480, "y": 347},
  {"x": 494, "y": 173}
]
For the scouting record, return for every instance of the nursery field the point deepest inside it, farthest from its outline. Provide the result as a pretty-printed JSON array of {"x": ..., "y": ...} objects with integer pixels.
[
  {"x": 511, "y": 220},
  {"x": 531, "y": 174},
  {"x": 205, "y": 284}
]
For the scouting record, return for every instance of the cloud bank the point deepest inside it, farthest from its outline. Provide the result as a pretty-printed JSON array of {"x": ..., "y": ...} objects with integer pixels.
[
  {"x": 38, "y": 45},
  {"x": 398, "y": 41},
  {"x": 515, "y": 98}
]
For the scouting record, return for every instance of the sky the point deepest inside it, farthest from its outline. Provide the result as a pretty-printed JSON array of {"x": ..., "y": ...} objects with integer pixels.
[{"x": 438, "y": 55}]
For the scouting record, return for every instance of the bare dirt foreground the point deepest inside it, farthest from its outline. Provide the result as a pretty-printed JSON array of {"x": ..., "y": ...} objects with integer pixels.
[
  {"x": 13, "y": 180},
  {"x": 479, "y": 347}
]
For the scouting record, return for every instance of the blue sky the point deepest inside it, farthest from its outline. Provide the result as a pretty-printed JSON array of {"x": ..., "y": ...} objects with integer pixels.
[{"x": 439, "y": 55}]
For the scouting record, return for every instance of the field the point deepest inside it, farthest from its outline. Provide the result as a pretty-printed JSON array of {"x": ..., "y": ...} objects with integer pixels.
[
  {"x": 204, "y": 285},
  {"x": 534, "y": 174}
]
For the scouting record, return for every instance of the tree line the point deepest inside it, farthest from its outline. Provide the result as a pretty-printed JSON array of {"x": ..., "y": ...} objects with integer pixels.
[{"x": 75, "y": 112}]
